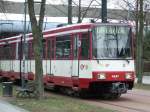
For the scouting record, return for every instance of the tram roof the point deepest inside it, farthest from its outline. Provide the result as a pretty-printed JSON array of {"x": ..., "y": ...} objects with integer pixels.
[{"x": 80, "y": 27}]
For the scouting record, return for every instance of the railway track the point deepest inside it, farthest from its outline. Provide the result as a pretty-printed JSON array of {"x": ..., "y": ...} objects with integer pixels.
[
  {"x": 124, "y": 108},
  {"x": 134, "y": 101},
  {"x": 140, "y": 95}
]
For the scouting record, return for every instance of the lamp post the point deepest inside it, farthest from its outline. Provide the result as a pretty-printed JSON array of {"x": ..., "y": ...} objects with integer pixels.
[{"x": 79, "y": 11}]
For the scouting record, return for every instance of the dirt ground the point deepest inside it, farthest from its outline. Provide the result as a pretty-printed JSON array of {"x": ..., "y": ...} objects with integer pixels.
[{"x": 134, "y": 101}]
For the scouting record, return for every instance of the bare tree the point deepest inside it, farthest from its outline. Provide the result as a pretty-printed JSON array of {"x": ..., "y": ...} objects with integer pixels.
[
  {"x": 37, "y": 27},
  {"x": 139, "y": 16}
]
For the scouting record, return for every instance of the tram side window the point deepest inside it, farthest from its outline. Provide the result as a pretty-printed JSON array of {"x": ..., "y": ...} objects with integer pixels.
[
  {"x": 26, "y": 50},
  {"x": 84, "y": 46},
  {"x": 63, "y": 48},
  {"x": 12, "y": 51},
  {"x": 53, "y": 48},
  {"x": 31, "y": 51},
  {"x": 20, "y": 50},
  {"x": 44, "y": 50},
  {"x": 1, "y": 53},
  {"x": 48, "y": 49},
  {"x": 75, "y": 46},
  {"x": 6, "y": 52}
]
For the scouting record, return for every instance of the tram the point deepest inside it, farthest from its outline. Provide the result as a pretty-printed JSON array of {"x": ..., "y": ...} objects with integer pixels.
[{"x": 86, "y": 58}]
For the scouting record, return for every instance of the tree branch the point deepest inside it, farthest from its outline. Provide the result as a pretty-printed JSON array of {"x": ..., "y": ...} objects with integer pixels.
[
  {"x": 42, "y": 13},
  {"x": 32, "y": 12},
  {"x": 87, "y": 10}
]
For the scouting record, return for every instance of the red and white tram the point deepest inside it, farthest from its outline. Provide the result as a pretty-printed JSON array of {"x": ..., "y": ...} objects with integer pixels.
[{"x": 83, "y": 58}]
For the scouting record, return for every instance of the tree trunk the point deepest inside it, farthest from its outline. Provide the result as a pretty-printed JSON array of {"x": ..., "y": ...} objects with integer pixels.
[
  {"x": 38, "y": 62},
  {"x": 37, "y": 41},
  {"x": 139, "y": 45}
]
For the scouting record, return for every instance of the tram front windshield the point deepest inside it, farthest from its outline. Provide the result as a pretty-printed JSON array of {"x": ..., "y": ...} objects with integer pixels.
[{"x": 112, "y": 42}]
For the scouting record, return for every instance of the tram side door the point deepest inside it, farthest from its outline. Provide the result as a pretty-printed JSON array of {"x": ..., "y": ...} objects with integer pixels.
[
  {"x": 51, "y": 56},
  {"x": 75, "y": 61}
]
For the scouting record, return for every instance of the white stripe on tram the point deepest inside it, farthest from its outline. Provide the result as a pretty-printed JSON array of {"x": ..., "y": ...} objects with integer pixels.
[{"x": 45, "y": 36}]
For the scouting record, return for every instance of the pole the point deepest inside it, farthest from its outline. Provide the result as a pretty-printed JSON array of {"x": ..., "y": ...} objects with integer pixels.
[
  {"x": 79, "y": 16},
  {"x": 136, "y": 36},
  {"x": 24, "y": 47},
  {"x": 69, "y": 11},
  {"x": 104, "y": 11}
]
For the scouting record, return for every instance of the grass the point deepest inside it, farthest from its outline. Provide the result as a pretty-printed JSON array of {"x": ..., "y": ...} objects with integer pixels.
[
  {"x": 142, "y": 86},
  {"x": 57, "y": 103},
  {"x": 54, "y": 103}
]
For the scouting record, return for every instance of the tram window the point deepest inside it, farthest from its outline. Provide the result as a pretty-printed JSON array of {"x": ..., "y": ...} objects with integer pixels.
[
  {"x": 12, "y": 51},
  {"x": 31, "y": 50},
  {"x": 85, "y": 46},
  {"x": 20, "y": 51},
  {"x": 1, "y": 53},
  {"x": 44, "y": 50},
  {"x": 49, "y": 49},
  {"x": 75, "y": 46},
  {"x": 26, "y": 50},
  {"x": 6, "y": 52},
  {"x": 63, "y": 47},
  {"x": 29, "y": 47},
  {"x": 52, "y": 48}
]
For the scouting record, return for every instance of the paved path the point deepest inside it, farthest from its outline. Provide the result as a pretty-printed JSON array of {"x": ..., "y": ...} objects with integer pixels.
[{"x": 7, "y": 107}]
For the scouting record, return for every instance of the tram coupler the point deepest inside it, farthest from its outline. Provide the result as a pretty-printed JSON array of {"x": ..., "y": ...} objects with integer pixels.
[{"x": 118, "y": 87}]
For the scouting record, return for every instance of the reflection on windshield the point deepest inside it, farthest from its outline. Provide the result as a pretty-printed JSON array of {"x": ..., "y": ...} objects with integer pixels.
[{"x": 111, "y": 42}]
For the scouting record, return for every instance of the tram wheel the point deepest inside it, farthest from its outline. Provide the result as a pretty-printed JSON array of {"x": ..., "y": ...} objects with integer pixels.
[{"x": 83, "y": 94}]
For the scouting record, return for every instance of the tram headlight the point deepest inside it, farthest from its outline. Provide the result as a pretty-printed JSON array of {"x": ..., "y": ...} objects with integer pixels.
[
  {"x": 128, "y": 75},
  {"x": 101, "y": 76}
]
